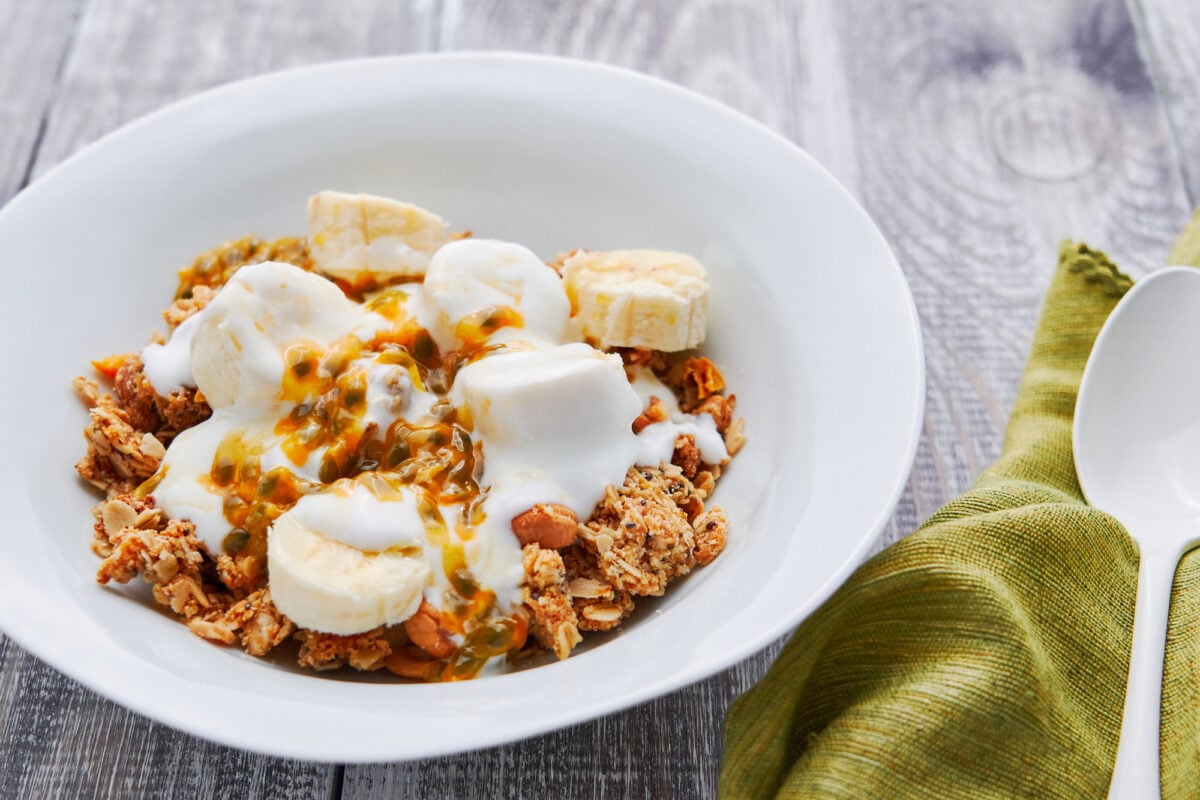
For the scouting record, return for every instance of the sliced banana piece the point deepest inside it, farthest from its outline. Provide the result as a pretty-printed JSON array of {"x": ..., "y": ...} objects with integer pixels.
[
  {"x": 237, "y": 348},
  {"x": 331, "y": 587},
  {"x": 556, "y": 423},
  {"x": 638, "y": 298},
  {"x": 353, "y": 234},
  {"x": 471, "y": 277}
]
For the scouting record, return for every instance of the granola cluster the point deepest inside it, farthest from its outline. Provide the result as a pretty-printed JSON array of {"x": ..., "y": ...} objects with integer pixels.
[
  {"x": 580, "y": 576},
  {"x": 644, "y": 534}
]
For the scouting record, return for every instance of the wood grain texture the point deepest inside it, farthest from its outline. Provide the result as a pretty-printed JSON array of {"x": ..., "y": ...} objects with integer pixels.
[
  {"x": 132, "y": 57},
  {"x": 980, "y": 135},
  {"x": 1170, "y": 35},
  {"x": 58, "y": 739},
  {"x": 38, "y": 37},
  {"x": 976, "y": 134},
  {"x": 738, "y": 51}
]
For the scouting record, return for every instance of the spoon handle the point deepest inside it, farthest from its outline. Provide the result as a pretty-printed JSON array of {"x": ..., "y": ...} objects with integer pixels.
[{"x": 1136, "y": 773}]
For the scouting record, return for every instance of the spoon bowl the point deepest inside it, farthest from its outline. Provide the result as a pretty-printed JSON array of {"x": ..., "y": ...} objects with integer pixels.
[{"x": 1137, "y": 455}]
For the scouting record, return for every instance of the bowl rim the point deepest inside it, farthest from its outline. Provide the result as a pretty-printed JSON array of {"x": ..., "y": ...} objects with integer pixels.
[{"x": 25, "y": 635}]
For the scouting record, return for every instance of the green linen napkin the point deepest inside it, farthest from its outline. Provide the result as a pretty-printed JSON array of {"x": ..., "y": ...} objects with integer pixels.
[{"x": 985, "y": 655}]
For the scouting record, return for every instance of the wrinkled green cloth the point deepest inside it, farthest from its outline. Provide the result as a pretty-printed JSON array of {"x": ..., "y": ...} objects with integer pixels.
[{"x": 985, "y": 655}]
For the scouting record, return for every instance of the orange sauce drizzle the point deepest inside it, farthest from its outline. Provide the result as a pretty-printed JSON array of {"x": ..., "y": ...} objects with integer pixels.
[
  {"x": 474, "y": 329},
  {"x": 436, "y": 458},
  {"x": 253, "y": 499},
  {"x": 468, "y": 609},
  {"x": 215, "y": 267},
  {"x": 365, "y": 283}
]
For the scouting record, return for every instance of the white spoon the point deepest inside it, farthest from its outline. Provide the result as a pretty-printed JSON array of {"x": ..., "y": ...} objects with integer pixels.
[{"x": 1137, "y": 452}]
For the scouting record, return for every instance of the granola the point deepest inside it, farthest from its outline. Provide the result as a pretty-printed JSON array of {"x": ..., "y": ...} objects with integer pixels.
[{"x": 579, "y": 573}]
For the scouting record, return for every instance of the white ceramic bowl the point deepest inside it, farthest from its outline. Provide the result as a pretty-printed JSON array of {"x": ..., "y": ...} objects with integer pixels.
[{"x": 811, "y": 322}]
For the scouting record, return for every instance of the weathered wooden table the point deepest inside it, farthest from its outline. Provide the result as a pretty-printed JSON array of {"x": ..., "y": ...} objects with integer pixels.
[{"x": 977, "y": 134}]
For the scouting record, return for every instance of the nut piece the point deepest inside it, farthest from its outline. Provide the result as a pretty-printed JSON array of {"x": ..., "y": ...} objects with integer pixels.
[
  {"x": 426, "y": 631},
  {"x": 547, "y": 525},
  {"x": 710, "y": 527},
  {"x": 720, "y": 408},
  {"x": 412, "y": 662},
  {"x": 656, "y": 411},
  {"x": 589, "y": 589},
  {"x": 116, "y": 516},
  {"x": 735, "y": 437},
  {"x": 687, "y": 455},
  {"x": 603, "y": 613},
  {"x": 152, "y": 447}
]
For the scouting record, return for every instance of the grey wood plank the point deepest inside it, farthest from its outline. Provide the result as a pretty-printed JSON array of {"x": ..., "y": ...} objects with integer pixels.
[
  {"x": 1170, "y": 35},
  {"x": 62, "y": 741},
  {"x": 37, "y": 38},
  {"x": 741, "y": 52},
  {"x": 981, "y": 135},
  {"x": 133, "y": 57},
  {"x": 975, "y": 136},
  {"x": 58, "y": 739},
  {"x": 978, "y": 136}
]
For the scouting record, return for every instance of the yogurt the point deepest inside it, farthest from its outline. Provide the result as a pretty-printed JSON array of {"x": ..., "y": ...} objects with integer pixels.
[{"x": 360, "y": 430}]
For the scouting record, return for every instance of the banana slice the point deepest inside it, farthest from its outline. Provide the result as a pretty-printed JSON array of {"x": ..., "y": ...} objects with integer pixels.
[
  {"x": 638, "y": 298},
  {"x": 537, "y": 411},
  {"x": 237, "y": 348},
  {"x": 471, "y": 277},
  {"x": 334, "y": 587},
  {"x": 352, "y": 234}
]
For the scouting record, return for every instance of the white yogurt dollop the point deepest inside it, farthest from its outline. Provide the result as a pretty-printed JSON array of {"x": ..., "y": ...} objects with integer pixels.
[
  {"x": 233, "y": 349},
  {"x": 169, "y": 366},
  {"x": 474, "y": 275},
  {"x": 350, "y": 513},
  {"x": 658, "y": 439},
  {"x": 561, "y": 413},
  {"x": 552, "y": 415},
  {"x": 184, "y": 491},
  {"x": 238, "y": 349}
]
